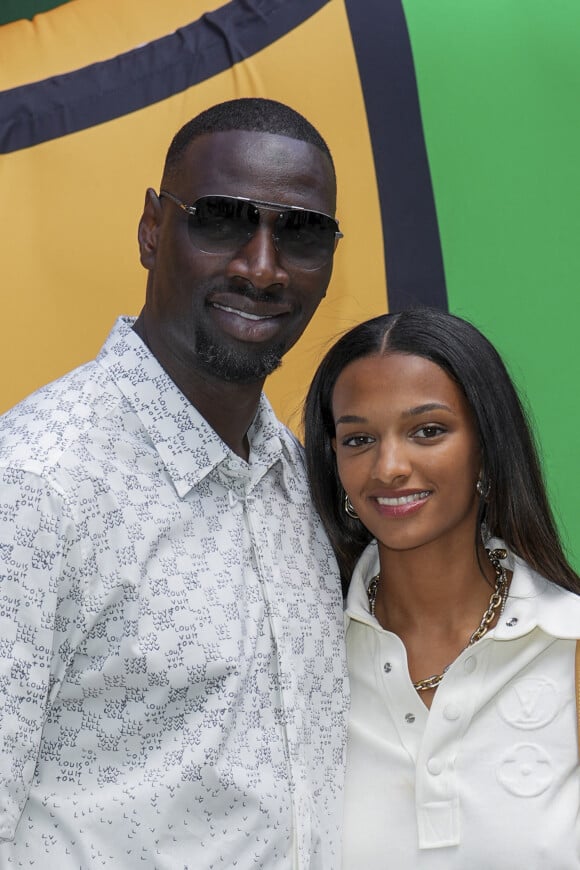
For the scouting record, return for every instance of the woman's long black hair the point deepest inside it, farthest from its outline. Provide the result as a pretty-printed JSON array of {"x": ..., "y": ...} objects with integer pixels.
[{"x": 516, "y": 508}]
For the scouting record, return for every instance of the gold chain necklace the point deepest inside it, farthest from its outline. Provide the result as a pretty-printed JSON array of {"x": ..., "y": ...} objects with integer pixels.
[{"x": 497, "y": 600}]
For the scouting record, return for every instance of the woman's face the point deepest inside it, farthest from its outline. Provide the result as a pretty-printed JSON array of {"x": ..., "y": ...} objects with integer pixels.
[{"x": 407, "y": 451}]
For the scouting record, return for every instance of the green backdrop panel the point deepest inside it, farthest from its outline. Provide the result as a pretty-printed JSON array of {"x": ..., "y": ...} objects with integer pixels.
[{"x": 498, "y": 85}]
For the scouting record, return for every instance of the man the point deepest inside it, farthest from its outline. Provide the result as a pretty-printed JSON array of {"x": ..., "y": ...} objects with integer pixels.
[{"x": 171, "y": 657}]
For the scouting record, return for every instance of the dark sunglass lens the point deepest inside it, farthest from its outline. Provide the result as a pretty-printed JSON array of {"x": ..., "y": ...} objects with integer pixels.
[
  {"x": 306, "y": 238},
  {"x": 221, "y": 224}
]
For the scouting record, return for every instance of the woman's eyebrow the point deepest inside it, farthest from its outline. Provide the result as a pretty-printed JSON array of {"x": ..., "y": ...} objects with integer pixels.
[
  {"x": 428, "y": 406},
  {"x": 350, "y": 418},
  {"x": 409, "y": 412}
]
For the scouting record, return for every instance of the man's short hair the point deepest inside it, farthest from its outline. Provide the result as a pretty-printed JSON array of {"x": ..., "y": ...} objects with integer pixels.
[{"x": 254, "y": 114}]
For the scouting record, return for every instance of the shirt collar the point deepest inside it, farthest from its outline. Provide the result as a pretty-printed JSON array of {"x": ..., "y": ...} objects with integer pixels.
[
  {"x": 357, "y": 600},
  {"x": 188, "y": 446},
  {"x": 533, "y": 601}
]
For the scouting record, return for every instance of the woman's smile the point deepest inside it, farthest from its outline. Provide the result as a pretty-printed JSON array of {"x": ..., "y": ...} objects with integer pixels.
[{"x": 402, "y": 505}]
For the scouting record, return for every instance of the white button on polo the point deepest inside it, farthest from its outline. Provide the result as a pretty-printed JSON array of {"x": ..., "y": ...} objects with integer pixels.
[
  {"x": 470, "y": 664},
  {"x": 452, "y": 712},
  {"x": 434, "y": 766}
]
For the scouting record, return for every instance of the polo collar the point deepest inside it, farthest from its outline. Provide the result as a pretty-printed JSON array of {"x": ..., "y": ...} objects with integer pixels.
[
  {"x": 357, "y": 600},
  {"x": 533, "y": 601}
]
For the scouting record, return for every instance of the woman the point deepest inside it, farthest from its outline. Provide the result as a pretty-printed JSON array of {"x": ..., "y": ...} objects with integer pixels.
[{"x": 462, "y": 740}]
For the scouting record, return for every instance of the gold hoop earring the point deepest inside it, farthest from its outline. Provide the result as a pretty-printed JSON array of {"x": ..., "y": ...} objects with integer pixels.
[{"x": 348, "y": 507}]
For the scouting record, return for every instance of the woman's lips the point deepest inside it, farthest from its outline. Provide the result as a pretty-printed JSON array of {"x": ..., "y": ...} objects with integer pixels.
[
  {"x": 402, "y": 505},
  {"x": 403, "y": 499}
]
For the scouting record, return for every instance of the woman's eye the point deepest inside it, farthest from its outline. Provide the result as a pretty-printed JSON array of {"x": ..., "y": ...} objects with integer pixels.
[
  {"x": 431, "y": 431},
  {"x": 356, "y": 440}
]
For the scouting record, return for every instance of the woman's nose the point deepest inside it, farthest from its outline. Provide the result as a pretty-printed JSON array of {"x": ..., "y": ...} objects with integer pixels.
[{"x": 392, "y": 461}]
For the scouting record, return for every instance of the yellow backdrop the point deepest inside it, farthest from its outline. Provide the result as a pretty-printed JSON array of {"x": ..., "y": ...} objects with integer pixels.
[{"x": 70, "y": 206}]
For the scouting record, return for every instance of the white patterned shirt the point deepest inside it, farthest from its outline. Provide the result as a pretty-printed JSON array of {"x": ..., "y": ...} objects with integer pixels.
[{"x": 172, "y": 677}]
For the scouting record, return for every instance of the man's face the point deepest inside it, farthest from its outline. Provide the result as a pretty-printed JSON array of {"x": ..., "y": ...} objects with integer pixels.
[{"x": 232, "y": 316}]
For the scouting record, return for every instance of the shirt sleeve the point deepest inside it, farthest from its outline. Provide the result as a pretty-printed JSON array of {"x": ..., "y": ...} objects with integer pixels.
[{"x": 38, "y": 550}]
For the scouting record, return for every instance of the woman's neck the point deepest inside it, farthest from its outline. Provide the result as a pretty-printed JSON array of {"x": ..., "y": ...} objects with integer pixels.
[
  {"x": 436, "y": 584},
  {"x": 434, "y": 598}
]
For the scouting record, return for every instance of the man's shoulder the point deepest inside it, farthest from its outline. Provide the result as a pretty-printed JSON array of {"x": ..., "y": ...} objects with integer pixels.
[{"x": 36, "y": 431}]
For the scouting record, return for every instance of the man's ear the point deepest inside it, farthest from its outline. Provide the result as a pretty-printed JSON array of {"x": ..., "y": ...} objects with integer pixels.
[{"x": 148, "y": 231}]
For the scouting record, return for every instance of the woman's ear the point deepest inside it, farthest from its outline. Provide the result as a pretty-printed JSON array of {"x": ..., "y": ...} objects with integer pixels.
[{"x": 148, "y": 231}]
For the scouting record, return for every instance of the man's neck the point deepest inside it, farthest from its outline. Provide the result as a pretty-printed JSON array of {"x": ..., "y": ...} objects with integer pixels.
[{"x": 229, "y": 408}]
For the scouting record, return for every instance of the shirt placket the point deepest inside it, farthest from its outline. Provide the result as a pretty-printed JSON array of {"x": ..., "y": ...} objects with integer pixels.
[
  {"x": 437, "y": 783},
  {"x": 432, "y": 737},
  {"x": 292, "y": 713}
]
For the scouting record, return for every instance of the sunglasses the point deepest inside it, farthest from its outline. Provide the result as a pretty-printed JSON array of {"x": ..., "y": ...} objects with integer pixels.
[{"x": 224, "y": 224}]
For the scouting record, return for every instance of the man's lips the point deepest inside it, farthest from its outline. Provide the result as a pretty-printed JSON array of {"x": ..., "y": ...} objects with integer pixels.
[
  {"x": 248, "y": 319},
  {"x": 247, "y": 315},
  {"x": 249, "y": 306}
]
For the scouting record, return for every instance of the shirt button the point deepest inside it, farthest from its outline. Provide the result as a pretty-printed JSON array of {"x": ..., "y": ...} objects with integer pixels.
[
  {"x": 434, "y": 766},
  {"x": 470, "y": 664},
  {"x": 511, "y": 622},
  {"x": 451, "y": 712},
  {"x": 387, "y": 667},
  {"x": 409, "y": 718}
]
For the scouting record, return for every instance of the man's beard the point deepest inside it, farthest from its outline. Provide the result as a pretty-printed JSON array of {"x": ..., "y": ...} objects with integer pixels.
[{"x": 243, "y": 365}]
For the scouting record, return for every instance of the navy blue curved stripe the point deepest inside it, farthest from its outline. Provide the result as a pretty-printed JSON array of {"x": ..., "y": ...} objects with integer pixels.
[
  {"x": 45, "y": 110},
  {"x": 415, "y": 273}
]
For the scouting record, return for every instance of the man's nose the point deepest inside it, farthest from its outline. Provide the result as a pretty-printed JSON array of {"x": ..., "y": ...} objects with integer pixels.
[{"x": 258, "y": 260}]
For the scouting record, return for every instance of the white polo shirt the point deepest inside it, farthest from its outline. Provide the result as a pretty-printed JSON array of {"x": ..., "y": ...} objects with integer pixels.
[{"x": 488, "y": 777}]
